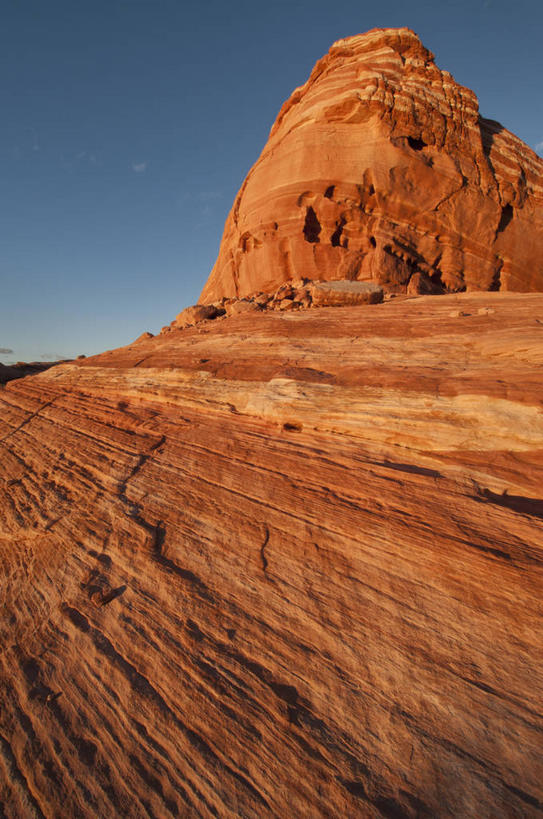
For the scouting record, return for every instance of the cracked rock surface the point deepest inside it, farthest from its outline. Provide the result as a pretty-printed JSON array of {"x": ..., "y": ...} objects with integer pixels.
[{"x": 283, "y": 564}]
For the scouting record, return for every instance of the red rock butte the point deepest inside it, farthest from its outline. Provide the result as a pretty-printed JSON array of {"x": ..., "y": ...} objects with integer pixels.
[
  {"x": 287, "y": 562},
  {"x": 380, "y": 167}
]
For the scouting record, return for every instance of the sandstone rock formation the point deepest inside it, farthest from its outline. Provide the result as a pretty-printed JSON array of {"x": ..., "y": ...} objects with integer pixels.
[
  {"x": 8, "y": 372},
  {"x": 380, "y": 167},
  {"x": 281, "y": 564}
]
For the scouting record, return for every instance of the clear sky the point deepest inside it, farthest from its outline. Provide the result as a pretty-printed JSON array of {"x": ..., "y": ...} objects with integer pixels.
[{"x": 129, "y": 125}]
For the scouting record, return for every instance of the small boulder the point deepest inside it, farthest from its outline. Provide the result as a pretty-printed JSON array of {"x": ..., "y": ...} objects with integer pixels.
[
  {"x": 143, "y": 337},
  {"x": 421, "y": 285},
  {"x": 262, "y": 299},
  {"x": 194, "y": 314},
  {"x": 286, "y": 291},
  {"x": 344, "y": 292},
  {"x": 241, "y": 306}
]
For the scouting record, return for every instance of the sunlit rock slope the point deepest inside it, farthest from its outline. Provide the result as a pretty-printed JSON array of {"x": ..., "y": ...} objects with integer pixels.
[{"x": 279, "y": 565}]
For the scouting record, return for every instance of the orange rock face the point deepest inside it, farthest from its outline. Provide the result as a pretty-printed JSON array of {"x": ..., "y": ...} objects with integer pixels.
[
  {"x": 380, "y": 167},
  {"x": 279, "y": 564}
]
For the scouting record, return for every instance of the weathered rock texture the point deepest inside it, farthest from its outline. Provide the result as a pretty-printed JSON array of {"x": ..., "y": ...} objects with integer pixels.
[
  {"x": 279, "y": 565},
  {"x": 381, "y": 167}
]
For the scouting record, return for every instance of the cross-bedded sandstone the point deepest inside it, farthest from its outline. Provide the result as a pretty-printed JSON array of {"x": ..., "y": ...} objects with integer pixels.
[{"x": 279, "y": 564}]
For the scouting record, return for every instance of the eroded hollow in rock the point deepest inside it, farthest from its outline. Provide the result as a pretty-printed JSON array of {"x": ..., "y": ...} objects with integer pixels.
[
  {"x": 335, "y": 238},
  {"x": 416, "y": 144},
  {"x": 507, "y": 215},
  {"x": 497, "y": 278},
  {"x": 312, "y": 226}
]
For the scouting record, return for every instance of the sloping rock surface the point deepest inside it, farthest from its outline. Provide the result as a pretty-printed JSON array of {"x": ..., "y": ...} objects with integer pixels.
[
  {"x": 279, "y": 565},
  {"x": 381, "y": 167}
]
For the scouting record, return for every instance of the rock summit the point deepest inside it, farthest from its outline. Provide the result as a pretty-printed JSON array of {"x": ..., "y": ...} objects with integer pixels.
[{"x": 380, "y": 167}]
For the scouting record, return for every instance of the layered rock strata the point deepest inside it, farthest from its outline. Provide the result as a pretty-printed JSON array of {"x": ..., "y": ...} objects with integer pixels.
[
  {"x": 381, "y": 167},
  {"x": 284, "y": 564}
]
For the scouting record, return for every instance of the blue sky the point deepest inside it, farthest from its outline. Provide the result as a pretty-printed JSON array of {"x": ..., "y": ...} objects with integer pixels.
[{"x": 129, "y": 125}]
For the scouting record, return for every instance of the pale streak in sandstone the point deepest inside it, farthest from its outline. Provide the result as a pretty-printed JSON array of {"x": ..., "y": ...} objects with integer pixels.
[
  {"x": 381, "y": 167},
  {"x": 279, "y": 565}
]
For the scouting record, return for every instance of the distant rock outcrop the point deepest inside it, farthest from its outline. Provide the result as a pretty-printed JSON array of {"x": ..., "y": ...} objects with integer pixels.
[
  {"x": 9, "y": 372},
  {"x": 380, "y": 167}
]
